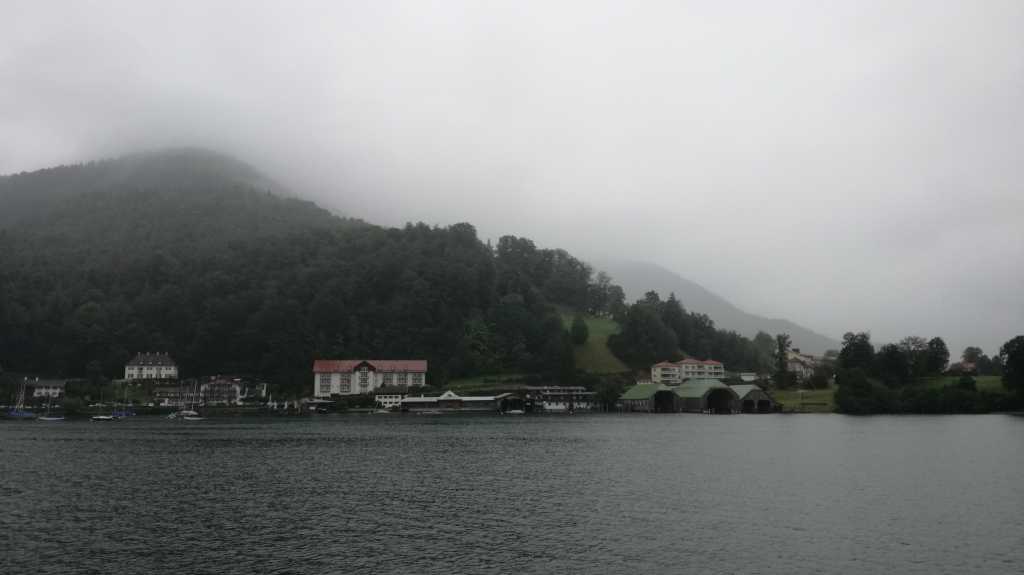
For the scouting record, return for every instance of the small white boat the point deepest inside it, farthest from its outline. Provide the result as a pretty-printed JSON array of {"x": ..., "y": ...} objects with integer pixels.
[
  {"x": 515, "y": 412},
  {"x": 193, "y": 418},
  {"x": 103, "y": 418},
  {"x": 50, "y": 418}
]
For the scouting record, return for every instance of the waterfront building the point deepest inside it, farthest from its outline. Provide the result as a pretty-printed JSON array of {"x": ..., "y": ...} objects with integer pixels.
[
  {"x": 695, "y": 396},
  {"x": 389, "y": 400},
  {"x": 450, "y": 401},
  {"x": 675, "y": 373},
  {"x": 221, "y": 392},
  {"x": 48, "y": 388},
  {"x": 167, "y": 395},
  {"x": 752, "y": 399},
  {"x": 560, "y": 399},
  {"x": 151, "y": 366},
  {"x": 355, "y": 376}
]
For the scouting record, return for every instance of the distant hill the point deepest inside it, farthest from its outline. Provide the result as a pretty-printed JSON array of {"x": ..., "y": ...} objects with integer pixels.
[
  {"x": 195, "y": 253},
  {"x": 30, "y": 194},
  {"x": 637, "y": 278}
]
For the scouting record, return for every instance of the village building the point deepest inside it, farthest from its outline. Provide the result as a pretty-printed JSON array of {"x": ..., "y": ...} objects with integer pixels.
[
  {"x": 389, "y": 400},
  {"x": 800, "y": 364},
  {"x": 449, "y": 401},
  {"x": 151, "y": 366},
  {"x": 52, "y": 388},
  {"x": 221, "y": 392},
  {"x": 229, "y": 390},
  {"x": 694, "y": 396},
  {"x": 356, "y": 376},
  {"x": 752, "y": 399},
  {"x": 675, "y": 373},
  {"x": 559, "y": 398}
]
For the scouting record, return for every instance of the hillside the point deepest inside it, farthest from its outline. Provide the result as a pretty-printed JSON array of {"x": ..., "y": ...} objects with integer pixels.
[
  {"x": 181, "y": 251},
  {"x": 636, "y": 278},
  {"x": 28, "y": 195},
  {"x": 594, "y": 355}
]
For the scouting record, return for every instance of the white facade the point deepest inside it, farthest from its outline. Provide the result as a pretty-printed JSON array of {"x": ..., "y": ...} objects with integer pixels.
[
  {"x": 151, "y": 366},
  {"x": 800, "y": 364},
  {"x": 388, "y": 401},
  {"x": 48, "y": 388},
  {"x": 675, "y": 373},
  {"x": 352, "y": 377}
]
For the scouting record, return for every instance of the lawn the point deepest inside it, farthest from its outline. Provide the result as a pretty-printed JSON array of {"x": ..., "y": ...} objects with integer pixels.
[
  {"x": 594, "y": 355},
  {"x": 806, "y": 400}
]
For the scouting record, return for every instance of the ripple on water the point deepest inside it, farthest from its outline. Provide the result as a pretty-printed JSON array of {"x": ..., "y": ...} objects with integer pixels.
[{"x": 603, "y": 494}]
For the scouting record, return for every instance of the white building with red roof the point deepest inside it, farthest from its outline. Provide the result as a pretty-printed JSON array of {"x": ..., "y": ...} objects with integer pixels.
[
  {"x": 676, "y": 372},
  {"x": 355, "y": 376}
]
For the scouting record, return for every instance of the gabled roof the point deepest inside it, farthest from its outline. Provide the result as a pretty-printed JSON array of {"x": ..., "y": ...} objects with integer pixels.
[
  {"x": 345, "y": 365},
  {"x": 643, "y": 391},
  {"x": 744, "y": 389},
  {"x": 452, "y": 396},
  {"x": 665, "y": 364},
  {"x": 691, "y": 361},
  {"x": 697, "y": 388}
]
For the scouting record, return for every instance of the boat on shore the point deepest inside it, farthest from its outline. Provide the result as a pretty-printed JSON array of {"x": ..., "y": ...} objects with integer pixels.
[{"x": 103, "y": 418}]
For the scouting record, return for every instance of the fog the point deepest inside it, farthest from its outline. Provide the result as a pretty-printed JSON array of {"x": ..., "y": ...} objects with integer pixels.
[{"x": 848, "y": 166}]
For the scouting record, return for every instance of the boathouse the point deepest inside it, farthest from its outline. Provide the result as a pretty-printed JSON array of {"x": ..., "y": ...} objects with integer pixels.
[
  {"x": 706, "y": 396},
  {"x": 650, "y": 398},
  {"x": 694, "y": 396},
  {"x": 752, "y": 399}
]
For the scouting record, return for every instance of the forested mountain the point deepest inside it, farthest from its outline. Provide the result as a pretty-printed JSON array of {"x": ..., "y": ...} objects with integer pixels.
[
  {"x": 183, "y": 252},
  {"x": 197, "y": 254},
  {"x": 637, "y": 278}
]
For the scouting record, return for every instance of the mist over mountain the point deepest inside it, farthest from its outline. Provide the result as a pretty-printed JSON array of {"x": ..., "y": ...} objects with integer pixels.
[
  {"x": 636, "y": 278},
  {"x": 29, "y": 194},
  {"x": 190, "y": 252}
]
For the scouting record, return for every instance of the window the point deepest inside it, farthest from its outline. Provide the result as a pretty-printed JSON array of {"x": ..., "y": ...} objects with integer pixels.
[
  {"x": 345, "y": 387},
  {"x": 417, "y": 379},
  {"x": 364, "y": 377}
]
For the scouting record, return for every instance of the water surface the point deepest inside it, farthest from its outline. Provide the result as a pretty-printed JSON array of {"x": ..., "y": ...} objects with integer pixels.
[{"x": 623, "y": 494}]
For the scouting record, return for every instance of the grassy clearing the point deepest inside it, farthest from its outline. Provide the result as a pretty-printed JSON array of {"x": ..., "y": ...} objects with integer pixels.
[
  {"x": 594, "y": 355},
  {"x": 806, "y": 400}
]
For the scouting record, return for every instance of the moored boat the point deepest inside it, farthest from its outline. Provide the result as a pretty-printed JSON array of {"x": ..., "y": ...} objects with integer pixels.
[{"x": 19, "y": 411}]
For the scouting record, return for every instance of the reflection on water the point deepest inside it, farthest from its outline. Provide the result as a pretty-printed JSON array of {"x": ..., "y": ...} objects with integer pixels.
[{"x": 489, "y": 494}]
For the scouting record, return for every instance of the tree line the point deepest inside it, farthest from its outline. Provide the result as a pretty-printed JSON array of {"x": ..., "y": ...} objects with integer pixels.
[
  {"x": 232, "y": 279},
  {"x": 894, "y": 378}
]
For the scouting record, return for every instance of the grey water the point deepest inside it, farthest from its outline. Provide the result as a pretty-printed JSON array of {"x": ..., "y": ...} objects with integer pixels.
[{"x": 502, "y": 494}]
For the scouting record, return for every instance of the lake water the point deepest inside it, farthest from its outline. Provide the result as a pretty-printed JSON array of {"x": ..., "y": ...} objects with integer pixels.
[{"x": 627, "y": 494}]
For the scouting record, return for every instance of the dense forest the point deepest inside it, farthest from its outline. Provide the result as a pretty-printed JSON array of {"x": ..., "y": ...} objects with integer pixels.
[
  {"x": 899, "y": 377},
  {"x": 655, "y": 330},
  {"x": 197, "y": 254}
]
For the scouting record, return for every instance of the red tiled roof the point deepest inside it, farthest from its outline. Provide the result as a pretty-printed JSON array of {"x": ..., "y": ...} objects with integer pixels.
[
  {"x": 343, "y": 365},
  {"x": 665, "y": 364},
  {"x": 691, "y": 361}
]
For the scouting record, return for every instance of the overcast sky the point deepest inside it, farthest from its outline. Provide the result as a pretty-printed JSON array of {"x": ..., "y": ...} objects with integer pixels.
[{"x": 846, "y": 165}]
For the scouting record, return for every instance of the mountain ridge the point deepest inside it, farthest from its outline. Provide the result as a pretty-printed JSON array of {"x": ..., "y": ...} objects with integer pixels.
[{"x": 637, "y": 278}]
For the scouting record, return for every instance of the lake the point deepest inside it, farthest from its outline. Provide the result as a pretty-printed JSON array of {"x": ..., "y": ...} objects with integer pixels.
[{"x": 630, "y": 494}]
